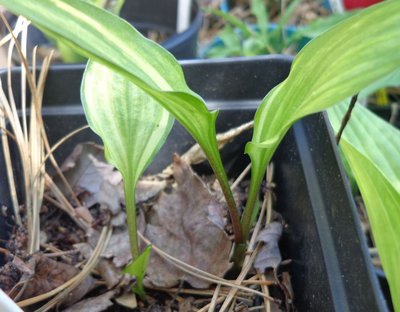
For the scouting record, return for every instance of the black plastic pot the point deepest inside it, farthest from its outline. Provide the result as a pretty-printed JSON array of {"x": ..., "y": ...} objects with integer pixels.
[
  {"x": 162, "y": 16},
  {"x": 331, "y": 270},
  {"x": 385, "y": 112},
  {"x": 154, "y": 15}
]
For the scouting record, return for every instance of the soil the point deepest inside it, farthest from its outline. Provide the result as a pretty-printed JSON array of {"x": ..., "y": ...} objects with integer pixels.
[{"x": 26, "y": 276}]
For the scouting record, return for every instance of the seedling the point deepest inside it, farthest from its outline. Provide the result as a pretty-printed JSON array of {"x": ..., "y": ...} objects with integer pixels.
[{"x": 331, "y": 68}]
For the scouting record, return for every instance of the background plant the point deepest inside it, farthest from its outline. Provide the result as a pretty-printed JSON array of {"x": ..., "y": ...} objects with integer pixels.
[
  {"x": 238, "y": 38},
  {"x": 323, "y": 74}
]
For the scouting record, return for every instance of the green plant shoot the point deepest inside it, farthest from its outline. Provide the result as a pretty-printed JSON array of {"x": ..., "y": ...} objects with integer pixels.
[
  {"x": 102, "y": 36},
  {"x": 131, "y": 124},
  {"x": 373, "y": 153},
  {"x": 138, "y": 269},
  {"x": 334, "y": 66},
  {"x": 324, "y": 73}
]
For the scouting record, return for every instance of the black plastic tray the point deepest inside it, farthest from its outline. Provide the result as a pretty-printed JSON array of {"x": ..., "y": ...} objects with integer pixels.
[{"x": 331, "y": 270}]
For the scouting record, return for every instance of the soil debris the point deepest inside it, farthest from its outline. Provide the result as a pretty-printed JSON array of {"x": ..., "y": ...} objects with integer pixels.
[
  {"x": 181, "y": 224},
  {"x": 94, "y": 304},
  {"x": 39, "y": 275},
  {"x": 269, "y": 255}
]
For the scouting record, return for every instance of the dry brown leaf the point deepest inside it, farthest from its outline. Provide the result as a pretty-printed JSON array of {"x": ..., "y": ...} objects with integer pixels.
[
  {"x": 118, "y": 249},
  {"x": 49, "y": 274},
  {"x": 269, "y": 255},
  {"x": 88, "y": 173},
  {"x": 97, "y": 182},
  {"x": 95, "y": 304},
  {"x": 185, "y": 224},
  {"x": 127, "y": 300}
]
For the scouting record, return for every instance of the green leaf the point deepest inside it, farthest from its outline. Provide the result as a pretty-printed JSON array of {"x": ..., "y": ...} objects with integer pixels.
[
  {"x": 231, "y": 44},
  {"x": 287, "y": 13},
  {"x": 132, "y": 125},
  {"x": 138, "y": 268},
  {"x": 259, "y": 9},
  {"x": 113, "y": 42},
  {"x": 278, "y": 34},
  {"x": 233, "y": 20},
  {"x": 254, "y": 46},
  {"x": 68, "y": 54},
  {"x": 372, "y": 148},
  {"x": 338, "y": 64},
  {"x": 391, "y": 80},
  {"x": 320, "y": 25}
]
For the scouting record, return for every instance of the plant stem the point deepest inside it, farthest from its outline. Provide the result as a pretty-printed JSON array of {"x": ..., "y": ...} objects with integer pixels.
[
  {"x": 129, "y": 191},
  {"x": 346, "y": 118},
  {"x": 216, "y": 165},
  {"x": 255, "y": 182},
  {"x": 250, "y": 204}
]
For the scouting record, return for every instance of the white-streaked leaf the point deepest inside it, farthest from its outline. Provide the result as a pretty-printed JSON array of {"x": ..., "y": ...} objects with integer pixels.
[
  {"x": 338, "y": 64},
  {"x": 372, "y": 148},
  {"x": 132, "y": 125},
  {"x": 111, "y": 41}
]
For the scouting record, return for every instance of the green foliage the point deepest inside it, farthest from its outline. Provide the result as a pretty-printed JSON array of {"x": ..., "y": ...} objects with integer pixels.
[
  {"x": 131, "y": 124},
  {"x": 137, "y": 268},
  {"x": 319, "y": 26},
  {"x": 240, "y": 39},
  {"x": 372, "y": 148},
  {"x": 365, "y": 54},
  {"x": 102, "y": 36},
  {"x": 68, "y": 54},
  {"x": 334, "y": 66}
]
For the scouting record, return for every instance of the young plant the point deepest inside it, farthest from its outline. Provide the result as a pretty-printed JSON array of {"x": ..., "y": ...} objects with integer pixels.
[
  {"x": 331, "y": 68},
  {"x": 238, "y": 38},
  {"x": 247, "y": 40},
  {"x": 132, "y": 125}
]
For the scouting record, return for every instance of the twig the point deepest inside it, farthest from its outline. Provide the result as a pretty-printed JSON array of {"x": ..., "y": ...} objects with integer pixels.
[
  {"x": 265, "y": 289},
  {"x": 395, "y": 107},
  {"x": 346, "y": 118},
  {"x": 64, "y": 204},
  {"x": 59, "y": 143},
  {"x": 200, "y": 273},
  {"x": 241, "y": 177},
  {"x": 214, "y": 299},
  {"x": 245, "y": 270},
  {"x": 268, "y": 193},
  {"x": 10, "y": 173}
]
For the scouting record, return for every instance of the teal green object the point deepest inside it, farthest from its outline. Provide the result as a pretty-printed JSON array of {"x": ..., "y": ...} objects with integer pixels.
[{"x": 290, "y": 31}]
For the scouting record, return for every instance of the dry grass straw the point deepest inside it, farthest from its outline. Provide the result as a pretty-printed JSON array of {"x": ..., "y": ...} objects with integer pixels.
[
  {"x": 29, "y": 141},
  {"x": 28, "y": 133}
]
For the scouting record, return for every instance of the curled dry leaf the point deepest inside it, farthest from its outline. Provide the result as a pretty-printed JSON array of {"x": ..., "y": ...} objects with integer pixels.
[
  {"x": 118, "y": 249},
  {"x": 186, "y": 224},
  {"x": 49, "y": 274},
  {"x": 269, "y": 255},
  {"x": 97, "y": 182},
  {"x": 95, "y": 304},
  {"x": 91, "y": 177},
  {"x": 127, "y": 300}
]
